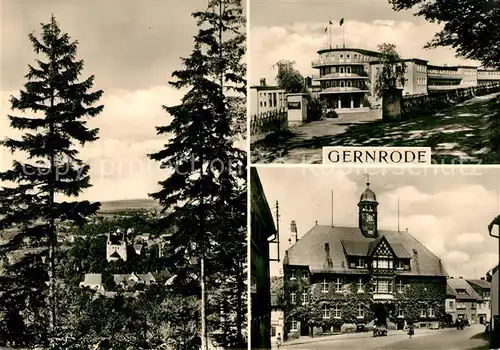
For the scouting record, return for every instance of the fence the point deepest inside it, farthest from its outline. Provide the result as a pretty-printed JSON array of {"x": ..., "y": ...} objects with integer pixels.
[
  {"x": 434, "y": 101},
  {"x": 268, "y": 122}
]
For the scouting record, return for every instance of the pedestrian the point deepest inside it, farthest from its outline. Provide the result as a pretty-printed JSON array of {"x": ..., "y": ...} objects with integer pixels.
[
  {"x": 411, "y": 330},
  {"x": 278, "y": 340}
]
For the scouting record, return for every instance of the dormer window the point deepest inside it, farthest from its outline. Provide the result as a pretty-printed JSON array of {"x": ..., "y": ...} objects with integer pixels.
[
  {"x": 400, "y": 265},
  {"x": 292, "y": 275},
  {"x": 360, "y": 263},
  {"x": 305, "y": 275}
]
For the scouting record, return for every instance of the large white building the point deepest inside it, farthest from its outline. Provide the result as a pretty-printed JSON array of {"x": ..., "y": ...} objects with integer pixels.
[{"x": 347, "y": 75}]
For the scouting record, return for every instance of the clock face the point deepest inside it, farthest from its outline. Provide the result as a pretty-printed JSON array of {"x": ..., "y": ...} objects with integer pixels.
[{"x": 369, "y": 222}]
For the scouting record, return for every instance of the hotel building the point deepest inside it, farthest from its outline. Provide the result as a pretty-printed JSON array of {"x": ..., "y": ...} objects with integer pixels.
[{"x": 347, "y": 75}]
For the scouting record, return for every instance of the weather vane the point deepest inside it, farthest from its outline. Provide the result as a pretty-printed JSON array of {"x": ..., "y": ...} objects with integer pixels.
[{"x": 367, "y": 177}]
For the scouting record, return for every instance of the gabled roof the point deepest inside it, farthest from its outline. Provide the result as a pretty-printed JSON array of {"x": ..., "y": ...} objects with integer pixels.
[
  {"x": 364, "y": 249},
  {"x": 115, "y": 255},
  {"x": 449, "y": 292},
  {"x": 458, "y": 284},
  {"x": 480, "y": 283},
  {"x": 92, "y": 279},
  {"x": 308, "y": 251}
]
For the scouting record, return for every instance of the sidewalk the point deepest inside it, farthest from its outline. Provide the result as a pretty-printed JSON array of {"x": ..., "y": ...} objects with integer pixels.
[{"x": 309, "y": 340}]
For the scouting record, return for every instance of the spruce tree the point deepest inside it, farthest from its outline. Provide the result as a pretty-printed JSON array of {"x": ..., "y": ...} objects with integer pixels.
[
  {"x": 208, "y": 170},
  {"x": 55, "y": 104}
]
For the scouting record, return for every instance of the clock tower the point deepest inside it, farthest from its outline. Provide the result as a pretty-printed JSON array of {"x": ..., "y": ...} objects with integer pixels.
[{"x": 368, "y": 212}]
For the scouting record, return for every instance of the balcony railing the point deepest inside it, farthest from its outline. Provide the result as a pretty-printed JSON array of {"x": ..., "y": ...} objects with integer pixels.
[
  {"x": 338, "y": 90},
  {"x": 334, "y": 76},
  {"x": 331, "y": 61}
]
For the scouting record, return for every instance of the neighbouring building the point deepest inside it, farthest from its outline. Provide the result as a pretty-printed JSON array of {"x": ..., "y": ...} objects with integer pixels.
[
  {"x": 93, "y": 281},
  {"x": 265, "y": 98},
  {"x": 277, "y": 316},
  {"x": 262, "y": 228},
  {"x": 483, "y": 289},
  {"x": 493, "y": 276},
  {"x": 466, "y": 299},
  {"x": 336, "y": 277},
  {"x": 450, "y": 306},
  {"x": 116, "y": 246}
]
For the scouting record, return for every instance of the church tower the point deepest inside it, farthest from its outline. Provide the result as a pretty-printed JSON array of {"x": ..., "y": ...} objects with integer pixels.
[{"x": 368, "y": 212}]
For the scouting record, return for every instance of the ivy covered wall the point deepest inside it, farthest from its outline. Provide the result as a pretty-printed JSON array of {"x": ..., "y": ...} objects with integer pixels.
[{"x": 417, "y": 293}]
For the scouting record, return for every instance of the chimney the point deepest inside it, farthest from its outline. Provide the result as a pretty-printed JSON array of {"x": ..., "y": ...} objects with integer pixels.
[
  {"x": 483, "y": 278},
  {"x": 285, "y": 260},
  {"x": 461, "y": 277},
  {"x": 327, "y": 255},
  {"x": 263, "y": 82},
  {"x": 316, "y": 223},
  {"x": 293, "y": 230}
]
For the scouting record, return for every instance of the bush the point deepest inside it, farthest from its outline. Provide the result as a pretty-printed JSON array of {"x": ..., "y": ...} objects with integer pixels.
[
  {"x": 330, "y": 114},
  {"x": 348, "y": 328},
  {"x": 315, "y": 108}
]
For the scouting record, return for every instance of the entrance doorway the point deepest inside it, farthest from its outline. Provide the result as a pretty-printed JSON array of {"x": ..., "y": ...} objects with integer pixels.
[
  {"x": 481, "y": 319},
  {"x": 381, "y": 313},
  {"x": 304, "y": 329},
  {"x": 345, "y": 101}
]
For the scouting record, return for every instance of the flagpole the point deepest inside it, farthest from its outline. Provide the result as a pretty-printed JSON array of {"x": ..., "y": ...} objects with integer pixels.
[
  {"x": 343, "y": 36},
  {"x": 329, "y": 36}
]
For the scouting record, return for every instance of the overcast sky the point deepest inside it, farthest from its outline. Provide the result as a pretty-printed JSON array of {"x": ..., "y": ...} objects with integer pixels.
[
  {"x": 295, "y": 30},
  {"x": 447, "y": 209},
  {"x": 132, "y": 47}
]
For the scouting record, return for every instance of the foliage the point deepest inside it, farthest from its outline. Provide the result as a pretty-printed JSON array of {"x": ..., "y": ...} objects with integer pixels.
[
  {"x": 58, "y": 104},
  {"x": 315, "y": 108},
  {"x": 493, "y": 131},
  {"x": 417, "y": 293},
  {"x": 466, "y": 26},
  {"x": 154, "y": 319},
  {"x": 206, "y": 191},
  {"x": 288, "y": 78},
  {"x": 392, "y": 70}
]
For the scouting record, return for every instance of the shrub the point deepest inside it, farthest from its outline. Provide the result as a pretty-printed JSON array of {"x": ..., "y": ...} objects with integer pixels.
[
  {"x": 315, "y": 108},
  {"x": 330, "y": 114},
  {"x": 348, "y": 328}
]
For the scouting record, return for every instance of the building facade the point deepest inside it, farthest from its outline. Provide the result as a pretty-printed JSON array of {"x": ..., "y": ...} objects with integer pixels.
[
  {"x": 337, "y": 277},
  {"x": 277, "y": 315},
  {"x": 262, "y": 228},
  {"x": 450, "y": 306},
  {"x": 483, "y": 289},
  {"x": 264, "y": 98},
  {"x": 347, "y": 77},
  {"x": 466, "y": 299},
  {"x": 493, "y": 276}
]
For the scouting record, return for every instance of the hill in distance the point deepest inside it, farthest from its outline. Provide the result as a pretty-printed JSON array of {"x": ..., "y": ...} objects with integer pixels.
[{"x": 128, "y": 204}]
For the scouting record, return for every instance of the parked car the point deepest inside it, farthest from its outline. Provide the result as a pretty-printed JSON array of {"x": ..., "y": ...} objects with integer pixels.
[
  {"x": 361, "y": 328},
  {"x": 379, "y": 331}
]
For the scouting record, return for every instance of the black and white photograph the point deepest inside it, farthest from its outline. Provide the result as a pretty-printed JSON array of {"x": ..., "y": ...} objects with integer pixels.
[
  {"x": 378, "y": 258},
  {"x": 123, "y": 200},
  {"x": 390, "y": 73}
]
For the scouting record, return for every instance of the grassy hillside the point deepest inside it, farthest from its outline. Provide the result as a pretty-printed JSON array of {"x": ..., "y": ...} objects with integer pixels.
[{"x": 128, "y": 204}]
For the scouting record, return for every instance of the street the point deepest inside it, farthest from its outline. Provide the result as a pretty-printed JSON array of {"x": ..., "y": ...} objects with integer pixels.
[{"x": 450, "y": 338}]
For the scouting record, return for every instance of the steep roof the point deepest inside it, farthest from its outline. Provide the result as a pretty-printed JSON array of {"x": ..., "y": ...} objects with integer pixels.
[
  {"x": 480, "y": 283},
  {"x": 458, "y": 284},
  {"x": 449, "y": 292},
  {"x": 92, "y": 279},
  {"x": 309, "y": 250}
]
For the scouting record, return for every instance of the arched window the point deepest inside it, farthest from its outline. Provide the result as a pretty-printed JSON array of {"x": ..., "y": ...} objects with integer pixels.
[
  {"x": 341, "y": 69},
  {"x": 348, "y": 69},
  {"x": 342, "y": 83}
]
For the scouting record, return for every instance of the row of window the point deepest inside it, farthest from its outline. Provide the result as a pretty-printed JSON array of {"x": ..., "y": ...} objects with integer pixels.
[
  {"x": 341, "y": 83},
  {"x": 421, "y": 69},
  {"x": 330, "y": 55},
  {"x": 272, "y": 99},
  {"x": 422, "y": 81},
  {"x": 360, "y": 264},
  {"x": 382, "y": 286},
  {"x": 342, "y": 69},
  {"x": 336, "y": 312}
]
